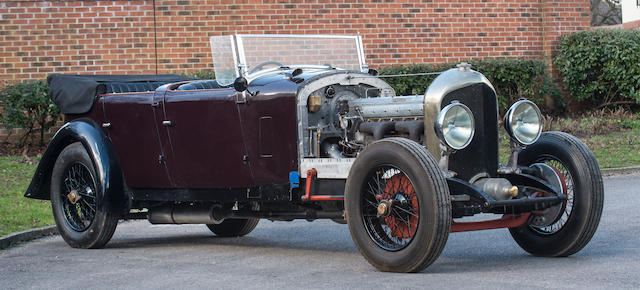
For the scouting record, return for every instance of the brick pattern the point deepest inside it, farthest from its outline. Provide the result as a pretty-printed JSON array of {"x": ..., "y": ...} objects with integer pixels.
[
  {"x": 41, "y": 37},
  {"x": 562, "y": 17},
  {"x": 118, "y": 37}
]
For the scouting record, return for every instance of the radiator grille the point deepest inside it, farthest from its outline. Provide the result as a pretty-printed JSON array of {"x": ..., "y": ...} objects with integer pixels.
[{"x": 481, "y": 156}]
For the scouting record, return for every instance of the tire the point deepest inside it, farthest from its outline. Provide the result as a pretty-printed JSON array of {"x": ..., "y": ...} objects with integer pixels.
[
  {"x": 234, "y": 227},
  {"x": 412, "y": 235},
  {"x": 580, "y": 215},
  {"x": 86, "y": 222}
]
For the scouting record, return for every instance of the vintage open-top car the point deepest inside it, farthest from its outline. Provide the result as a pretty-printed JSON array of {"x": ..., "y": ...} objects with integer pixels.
[{"x": 298, "y": 127}]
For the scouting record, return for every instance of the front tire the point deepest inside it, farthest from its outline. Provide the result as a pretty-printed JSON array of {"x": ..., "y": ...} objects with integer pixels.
[
  {"x": 580, "y": 214},
  {"x": 233, "y": 227},
  {"x": 408, "y": 232},
  {"x": 79, "y": 206}
]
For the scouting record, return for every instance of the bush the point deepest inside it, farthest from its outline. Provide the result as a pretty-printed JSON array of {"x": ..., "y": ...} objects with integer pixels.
[
  {"x": 206, "y": 74},
  {"x": 27, "y": 105},
  {"x": 512, "y": 78},
  {"x": 601, "y": 66}
]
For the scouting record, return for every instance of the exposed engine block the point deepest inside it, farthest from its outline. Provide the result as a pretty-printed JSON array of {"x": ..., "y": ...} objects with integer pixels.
[
  {"x": 388, "y": 108},
  {"x": 344, "y": 119}
]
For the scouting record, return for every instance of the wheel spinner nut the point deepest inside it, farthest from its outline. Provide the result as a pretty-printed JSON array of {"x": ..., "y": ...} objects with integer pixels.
[
  {"x": 73, "y": 196},
  {"x": 384, "y": 207}
]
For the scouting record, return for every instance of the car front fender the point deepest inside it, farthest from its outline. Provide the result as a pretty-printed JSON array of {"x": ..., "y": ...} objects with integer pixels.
[{"x": 99, "y": 147}]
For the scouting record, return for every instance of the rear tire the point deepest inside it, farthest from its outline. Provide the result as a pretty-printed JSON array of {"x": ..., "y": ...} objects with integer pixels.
[
  {"x": 234, "y": 227},
  {"x": 86, "y": 222},
  {"x": 580, "y": 215},
  {"x": 412, "y": 234}
]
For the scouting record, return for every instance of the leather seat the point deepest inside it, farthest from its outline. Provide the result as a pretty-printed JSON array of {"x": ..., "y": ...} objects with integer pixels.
[
  {"x": 121, "y": 87},
  {"x": 200, "y": 85}
]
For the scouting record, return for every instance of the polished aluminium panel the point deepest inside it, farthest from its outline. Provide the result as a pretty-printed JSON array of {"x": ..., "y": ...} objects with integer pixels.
[{"x": 346, "y": 78}]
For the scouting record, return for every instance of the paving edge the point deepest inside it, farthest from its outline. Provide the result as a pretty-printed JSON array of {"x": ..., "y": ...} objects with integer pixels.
[
  {"x": 620, "y": 170},
  {"x": 26, "y": 235}
]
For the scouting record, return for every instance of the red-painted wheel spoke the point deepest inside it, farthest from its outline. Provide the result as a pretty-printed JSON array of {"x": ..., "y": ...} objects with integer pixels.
[{"x": 396, "y": 227}]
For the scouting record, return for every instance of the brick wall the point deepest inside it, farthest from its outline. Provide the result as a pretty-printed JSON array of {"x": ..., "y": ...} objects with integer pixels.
[{"x": 119, "y": 37}]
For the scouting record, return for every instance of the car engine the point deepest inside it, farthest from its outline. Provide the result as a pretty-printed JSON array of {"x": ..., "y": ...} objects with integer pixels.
[{"x": 342, "y": 120}]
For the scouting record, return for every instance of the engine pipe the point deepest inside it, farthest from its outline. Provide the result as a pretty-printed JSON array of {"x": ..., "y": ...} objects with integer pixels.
[{"x": 311, "y": 174}]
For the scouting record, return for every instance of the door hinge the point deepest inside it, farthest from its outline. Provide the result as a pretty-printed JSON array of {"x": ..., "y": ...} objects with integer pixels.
[
  {"x": 241, "y": 98},
  {"x": 161, "y": 158},
  {"x": 166, "y": 123}
]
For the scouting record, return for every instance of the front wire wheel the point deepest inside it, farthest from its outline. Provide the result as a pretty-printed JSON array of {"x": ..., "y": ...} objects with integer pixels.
[
  {"x": 575, "y": 224},
  {"x": 564, "y": 209},
  {"x": 397, "y": 206}
]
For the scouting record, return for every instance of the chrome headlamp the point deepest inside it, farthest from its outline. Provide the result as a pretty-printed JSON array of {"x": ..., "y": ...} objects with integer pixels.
[
  {"x": 523, "y": 122},
  {"x": 455, "y": 126}
]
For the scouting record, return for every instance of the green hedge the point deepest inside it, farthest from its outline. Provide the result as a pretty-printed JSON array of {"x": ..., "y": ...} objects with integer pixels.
[
  {"x": 512, "y": 78},
  {"x": 601, "y": 66},
  {"x": 206, "y": 74},
  {"x": 27, "y": 105}
]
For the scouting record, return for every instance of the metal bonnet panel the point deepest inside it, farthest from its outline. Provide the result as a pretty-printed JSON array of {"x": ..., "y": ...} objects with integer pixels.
[{"x": 449, "y": 81}]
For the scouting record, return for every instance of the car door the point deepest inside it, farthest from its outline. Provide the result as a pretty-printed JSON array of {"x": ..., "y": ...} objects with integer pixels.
[
  {"x": 132, "y": 128},
  {"x": 268, "y": 121},
  {"x": 205, "y": 139}
]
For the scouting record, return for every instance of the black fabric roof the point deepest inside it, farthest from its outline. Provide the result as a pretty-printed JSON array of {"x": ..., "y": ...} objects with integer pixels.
[{"x": 75, "y": 94}]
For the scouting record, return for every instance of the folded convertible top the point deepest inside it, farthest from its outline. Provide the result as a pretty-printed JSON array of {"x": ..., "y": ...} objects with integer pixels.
[{"x": 75, "y": 94}]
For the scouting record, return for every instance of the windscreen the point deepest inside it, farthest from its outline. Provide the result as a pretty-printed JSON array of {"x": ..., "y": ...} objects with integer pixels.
[
  {"x": 257, "y": 52},
  {"x": 224, "y": 59},
  {"x": 338, "y": 51}
]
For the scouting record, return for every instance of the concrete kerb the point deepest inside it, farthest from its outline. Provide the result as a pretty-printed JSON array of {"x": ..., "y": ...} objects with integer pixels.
[
  {"x": 620, "y": 171},
  {"x": 32, "y": 234},
  {"x": 26, "y": 235}
]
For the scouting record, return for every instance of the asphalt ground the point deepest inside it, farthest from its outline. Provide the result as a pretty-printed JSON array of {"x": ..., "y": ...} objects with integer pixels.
[{"x": 321, "y": 254}]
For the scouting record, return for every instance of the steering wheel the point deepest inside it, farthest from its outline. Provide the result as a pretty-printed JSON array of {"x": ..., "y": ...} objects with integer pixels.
[{"x": 260, "y": 65}]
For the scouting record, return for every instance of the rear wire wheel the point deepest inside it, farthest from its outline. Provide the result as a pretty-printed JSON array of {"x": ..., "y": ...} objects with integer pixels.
[
  {"x": 398, "y": 206},
  {"x": 84, "y": 215},
  {"x": 233, "y": 227}
]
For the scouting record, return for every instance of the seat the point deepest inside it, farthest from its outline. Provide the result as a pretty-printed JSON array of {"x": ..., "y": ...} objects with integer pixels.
[
  {"x": 200, "y": 85},
  {"x": 122, "y": 87}
]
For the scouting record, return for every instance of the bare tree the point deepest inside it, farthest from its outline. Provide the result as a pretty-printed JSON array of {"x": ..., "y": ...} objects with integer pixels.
[{"x": 605, "y": 12}]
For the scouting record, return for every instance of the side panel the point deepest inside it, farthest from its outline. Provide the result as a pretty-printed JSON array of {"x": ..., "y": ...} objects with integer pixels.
[
  {"x": 206, "y": 145},
  {"x": 134, "y": 136},
  {"x": 269, "y": 126}
]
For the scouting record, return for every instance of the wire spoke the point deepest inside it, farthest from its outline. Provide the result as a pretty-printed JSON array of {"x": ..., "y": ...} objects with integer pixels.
[
  {"x": 81, "y": 213},
  {"x": 394, "y": 230}
]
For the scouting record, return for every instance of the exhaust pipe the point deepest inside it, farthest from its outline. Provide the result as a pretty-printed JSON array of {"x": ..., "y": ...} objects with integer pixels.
[{"x": 184, "y": 215}]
